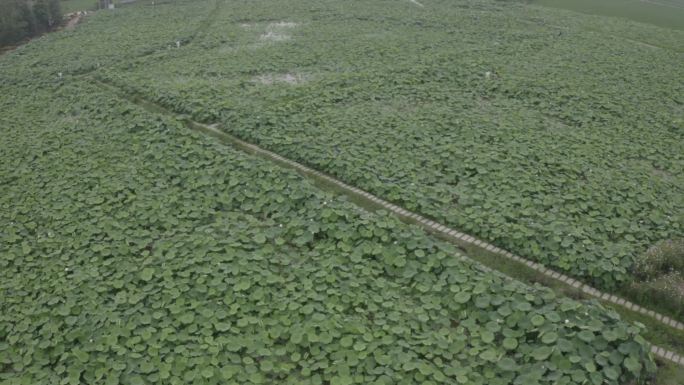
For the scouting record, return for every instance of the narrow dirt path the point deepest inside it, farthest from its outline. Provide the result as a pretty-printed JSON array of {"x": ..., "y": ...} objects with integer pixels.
[{"x": 71, "y": 24}]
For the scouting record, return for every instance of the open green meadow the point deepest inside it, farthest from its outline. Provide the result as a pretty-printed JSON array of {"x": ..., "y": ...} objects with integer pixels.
[
  {"x": 663, "y": 13},
  {"x": 69, "y": 6},
  {"x": 134, "y": 250}
]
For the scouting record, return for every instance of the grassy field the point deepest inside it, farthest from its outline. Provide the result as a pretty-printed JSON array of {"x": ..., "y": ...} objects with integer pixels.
[
  {"x": 662, "y": 13},
  {"x": 69, "y": 6},
  {"x": 134, "y": 250}
]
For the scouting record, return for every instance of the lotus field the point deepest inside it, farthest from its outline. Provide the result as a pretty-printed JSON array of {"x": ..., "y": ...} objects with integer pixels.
[{"x": 135, "y": 250}]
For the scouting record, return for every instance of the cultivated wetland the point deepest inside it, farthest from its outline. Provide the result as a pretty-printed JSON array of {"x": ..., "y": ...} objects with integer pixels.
[{"x": 136, "y": 249}]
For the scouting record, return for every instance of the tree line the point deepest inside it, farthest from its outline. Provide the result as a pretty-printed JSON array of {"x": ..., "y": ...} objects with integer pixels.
[{"x": 20, "y": 19}]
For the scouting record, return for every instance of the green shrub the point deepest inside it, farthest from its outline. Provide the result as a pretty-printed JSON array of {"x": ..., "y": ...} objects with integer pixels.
[
  {"x": 660, "y": 277},
  {"x": 20, "y": 19},
  {"x": 665, "y": 258}
]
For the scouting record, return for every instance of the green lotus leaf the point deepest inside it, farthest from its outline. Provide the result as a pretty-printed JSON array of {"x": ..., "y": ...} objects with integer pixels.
[
  {"x": 541, "y": 353},
  {"x": 510, "y": 343},
  {"x": 549, "y": 338},
  {"x": 586, "y": 336},
  {"x": 507, "y": 364},
  {"x": 147, "y": 273}
]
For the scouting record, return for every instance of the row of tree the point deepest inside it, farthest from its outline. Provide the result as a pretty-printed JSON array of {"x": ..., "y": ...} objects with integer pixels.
[{"x": 20, "y": 19}]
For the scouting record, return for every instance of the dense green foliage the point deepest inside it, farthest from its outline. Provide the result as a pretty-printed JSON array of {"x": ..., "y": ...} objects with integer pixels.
[
  {"x": 660, "y": 274},
  {"x": 20, "y": 19},
  {"x": 108, "y": 42},
  {"x": 135, "y": 251},
  {"x": 544, "y": 131}
]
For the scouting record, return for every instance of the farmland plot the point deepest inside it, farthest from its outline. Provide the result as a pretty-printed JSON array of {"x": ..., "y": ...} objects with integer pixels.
[
  {"x": 135, "y": 251},
  {"x": 519, "y": 125}
]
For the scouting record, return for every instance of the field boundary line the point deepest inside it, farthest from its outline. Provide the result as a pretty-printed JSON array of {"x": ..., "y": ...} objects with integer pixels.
[{"x": 454, "y": 236}]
